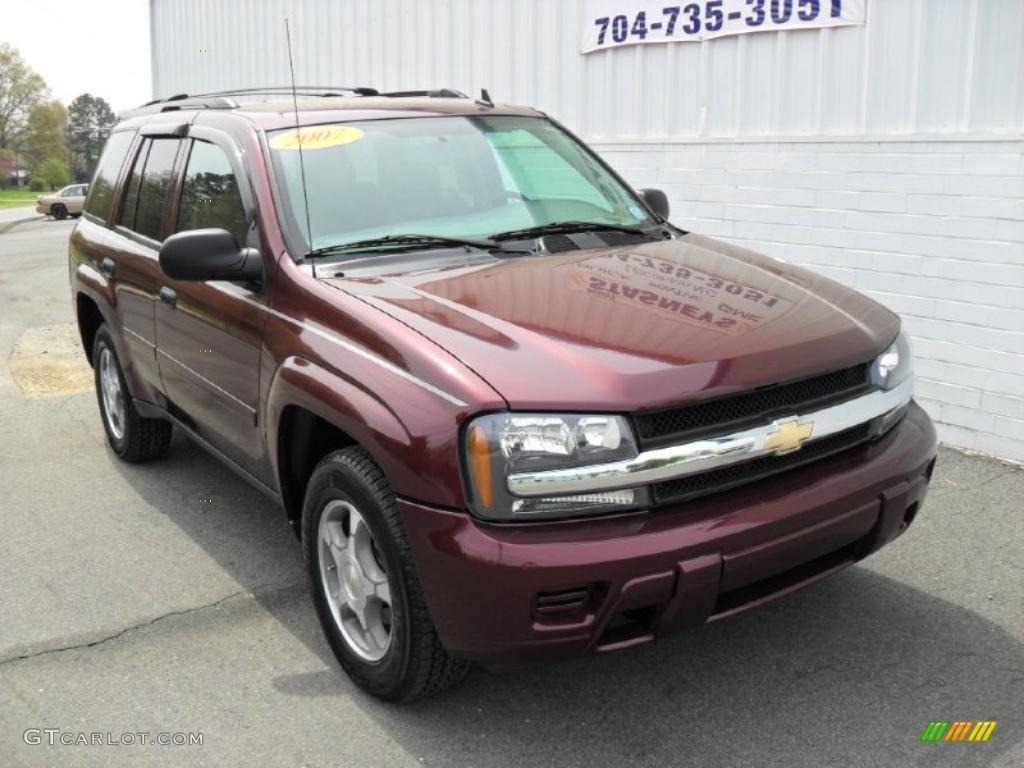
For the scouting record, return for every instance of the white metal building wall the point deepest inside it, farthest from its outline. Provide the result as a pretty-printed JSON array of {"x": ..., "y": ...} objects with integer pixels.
[
  {"x": 917, "y": 67},
  {"x": 889, "y": 156}
]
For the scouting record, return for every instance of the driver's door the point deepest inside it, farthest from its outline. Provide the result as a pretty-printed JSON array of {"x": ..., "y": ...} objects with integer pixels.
[{"x": 208, "y": 334}]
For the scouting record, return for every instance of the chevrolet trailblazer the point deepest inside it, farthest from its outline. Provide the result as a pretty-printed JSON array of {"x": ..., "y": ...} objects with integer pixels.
[{"x": 511, "y": 411}]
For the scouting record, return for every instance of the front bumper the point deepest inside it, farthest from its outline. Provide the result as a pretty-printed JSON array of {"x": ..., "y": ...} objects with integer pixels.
[
  {"x": 42, "y": 208},
  {"x": 562, "y": 589}
]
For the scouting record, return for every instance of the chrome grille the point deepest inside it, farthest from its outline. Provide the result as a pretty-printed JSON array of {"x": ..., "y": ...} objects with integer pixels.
[
  {"x": 728, "y": 414},
  {"x": 734, "y": 475}
]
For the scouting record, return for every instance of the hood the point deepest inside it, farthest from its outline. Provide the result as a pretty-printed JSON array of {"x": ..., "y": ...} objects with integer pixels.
[{"x": 634, "y": 327}]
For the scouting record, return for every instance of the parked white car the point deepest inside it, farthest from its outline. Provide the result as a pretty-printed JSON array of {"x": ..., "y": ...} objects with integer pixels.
[{"x": 67, "y": 202}]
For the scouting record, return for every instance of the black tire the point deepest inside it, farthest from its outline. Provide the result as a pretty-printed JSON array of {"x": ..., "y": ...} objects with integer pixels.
[
  {"x": 415, "y": 664},
  {"x": 59, "y": 211},
  {"x": 141, "y": 439}
]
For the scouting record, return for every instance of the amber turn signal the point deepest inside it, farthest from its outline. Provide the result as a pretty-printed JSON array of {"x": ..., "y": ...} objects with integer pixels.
[{"x": 480, "y": 466}]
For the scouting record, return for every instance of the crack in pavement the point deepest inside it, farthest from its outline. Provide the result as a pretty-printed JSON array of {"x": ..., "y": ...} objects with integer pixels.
[
  {"x": 254, "y": 594},
  {"x": 948, "y": 486}
]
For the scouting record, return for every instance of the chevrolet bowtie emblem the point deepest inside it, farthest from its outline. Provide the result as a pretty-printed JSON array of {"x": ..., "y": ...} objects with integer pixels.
[{"x": 788, "y": 435}]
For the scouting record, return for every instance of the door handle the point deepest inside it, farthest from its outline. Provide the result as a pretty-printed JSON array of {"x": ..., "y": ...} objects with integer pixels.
[
  {"x": 169, "y": 297},
  {"x": 108, "y": 266}
]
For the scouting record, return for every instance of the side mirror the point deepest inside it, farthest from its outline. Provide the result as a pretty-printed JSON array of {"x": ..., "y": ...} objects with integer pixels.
[
  {"x": 656, "y": 200},
  {"x": 209, "y": 254}
]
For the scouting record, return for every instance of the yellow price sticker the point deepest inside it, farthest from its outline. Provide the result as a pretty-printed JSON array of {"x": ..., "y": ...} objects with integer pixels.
[{"x": 316, "y": 137}]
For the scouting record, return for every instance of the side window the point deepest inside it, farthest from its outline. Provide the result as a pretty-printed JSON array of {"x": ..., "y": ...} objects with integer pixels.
[
  {"x": 131, "y": 197},
  {"x": 154, "y": 188},
  {"x": 102, "y": 193},
  {"x": 209, "y": 195}
]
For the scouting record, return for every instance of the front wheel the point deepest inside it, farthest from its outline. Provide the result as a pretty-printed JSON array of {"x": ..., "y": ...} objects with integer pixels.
[
  {"x": 59, "y": 212},
  {"x": 132, "y": 437},
  {"x": 364, "y": 584}
]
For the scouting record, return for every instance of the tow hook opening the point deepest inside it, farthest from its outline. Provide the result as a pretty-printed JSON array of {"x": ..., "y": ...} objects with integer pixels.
[{"x": 909, "y": 515}]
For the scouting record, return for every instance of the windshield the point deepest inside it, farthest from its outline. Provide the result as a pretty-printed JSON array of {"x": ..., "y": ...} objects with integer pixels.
[{"x": 461, "y": 177}]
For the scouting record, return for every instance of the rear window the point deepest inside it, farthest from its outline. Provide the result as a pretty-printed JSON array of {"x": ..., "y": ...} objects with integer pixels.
[
  {"x": 155, "y": 187},
  {"x": 102, "y": 193},
  {"x": 131, "y": 195}
]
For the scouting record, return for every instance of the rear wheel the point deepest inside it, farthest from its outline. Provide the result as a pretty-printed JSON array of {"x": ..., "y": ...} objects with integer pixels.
[
  {"x": 131, "y": 437},
  {"x": 364, "y": 584},
  {"x": 59, "y": 211}
]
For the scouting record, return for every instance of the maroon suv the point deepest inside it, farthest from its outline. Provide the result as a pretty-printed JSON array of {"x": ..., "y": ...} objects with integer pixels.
[{"x": 510, "y": 409}]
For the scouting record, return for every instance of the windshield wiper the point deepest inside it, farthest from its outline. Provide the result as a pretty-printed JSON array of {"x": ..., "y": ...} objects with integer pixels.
[
  {"x": 413, "y": 241},
  {"x": 559, "y": 227}
]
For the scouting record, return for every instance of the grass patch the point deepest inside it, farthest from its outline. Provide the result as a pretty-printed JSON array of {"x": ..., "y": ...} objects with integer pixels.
[{"x": 11, "y": 198}]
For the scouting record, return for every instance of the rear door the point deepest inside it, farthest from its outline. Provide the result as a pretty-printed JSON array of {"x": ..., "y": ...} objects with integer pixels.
[
  {"x": 209, "y": 333},
  {"x": 100, "y": 241},
  {"x": 138, "y": 231}
]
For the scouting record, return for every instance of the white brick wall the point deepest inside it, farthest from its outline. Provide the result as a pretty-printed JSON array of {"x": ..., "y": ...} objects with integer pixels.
[{"x": 932, "y": 229}]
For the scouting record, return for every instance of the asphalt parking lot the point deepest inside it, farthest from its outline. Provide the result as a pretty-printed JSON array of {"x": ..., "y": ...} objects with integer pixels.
[{"x": 128, "y": 604}]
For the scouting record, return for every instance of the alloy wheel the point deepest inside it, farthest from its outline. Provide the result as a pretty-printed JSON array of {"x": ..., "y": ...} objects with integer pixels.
[
  {"x": 354, "y": 581},
  {"x": 112, "y": 394}
]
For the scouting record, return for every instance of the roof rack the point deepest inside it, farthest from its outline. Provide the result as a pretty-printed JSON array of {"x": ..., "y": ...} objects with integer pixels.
[
  {"x": 443, "y": 93},
  {"x": 223, "y": 100},
  {"x": 305, "y": 90},
  {"x": 181, "y": 101},
  {"x": 338, "y": 90}
]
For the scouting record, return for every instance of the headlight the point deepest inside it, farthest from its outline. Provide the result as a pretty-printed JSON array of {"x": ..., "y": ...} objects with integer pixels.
[
  {"x": 893, "y": 366},
  {"x": 500, "y": 444}
]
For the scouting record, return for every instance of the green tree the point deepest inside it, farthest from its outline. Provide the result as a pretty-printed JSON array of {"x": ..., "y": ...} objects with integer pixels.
[
  {"x": 46, "y": 135},
  {"x": 20, "y": 90},
  {"x": 90, "y": 119},
  {"x": 54, "y": 173},
  {"x": 8, "y": 165}
]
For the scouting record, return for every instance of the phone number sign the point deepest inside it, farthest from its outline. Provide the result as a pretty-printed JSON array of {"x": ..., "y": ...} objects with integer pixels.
[{"x": 611, "y": 23}]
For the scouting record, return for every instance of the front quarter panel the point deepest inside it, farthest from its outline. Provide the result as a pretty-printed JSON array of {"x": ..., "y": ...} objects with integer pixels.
[
  {"x": 391, "y": 390},
  {"x": 367, "y": 420}
]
